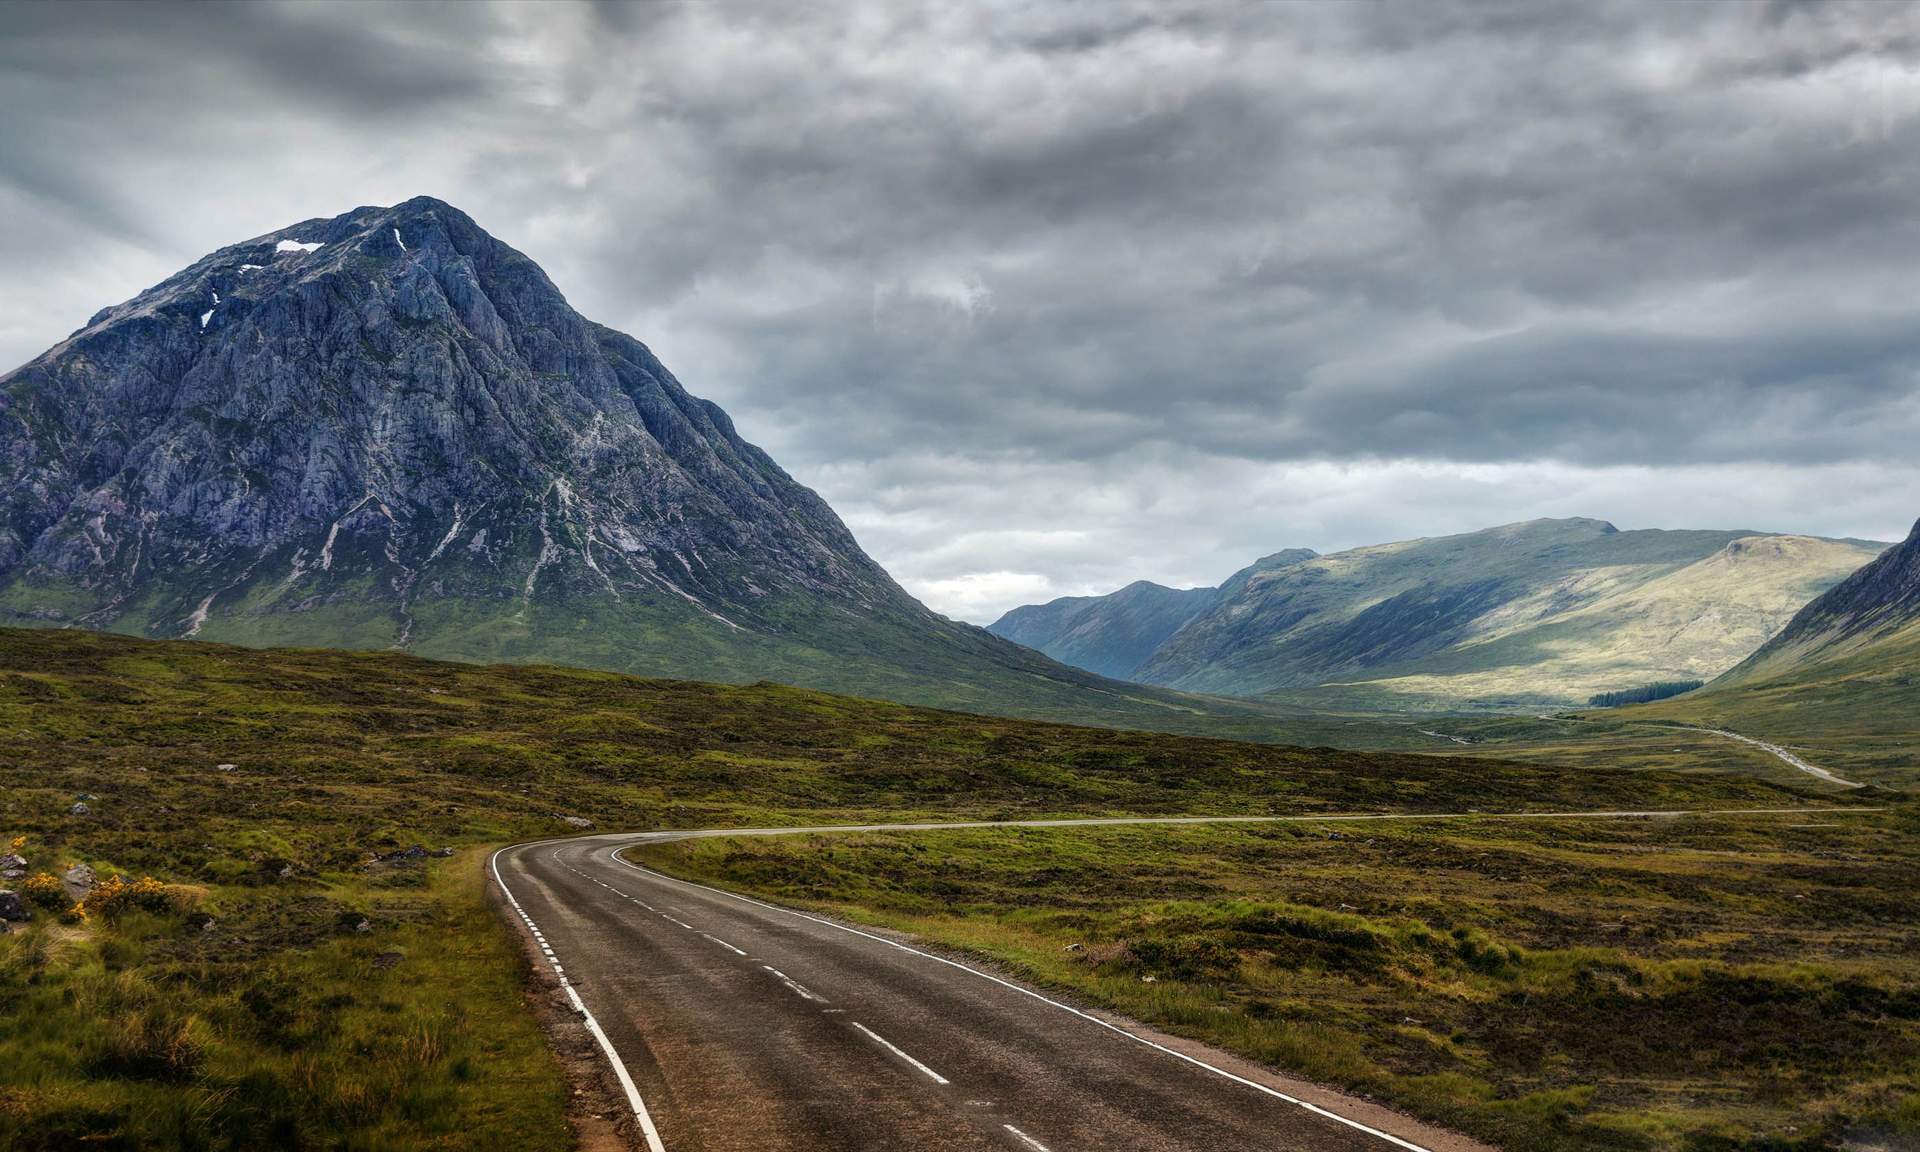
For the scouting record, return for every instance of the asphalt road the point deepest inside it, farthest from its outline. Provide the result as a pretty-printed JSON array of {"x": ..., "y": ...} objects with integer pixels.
[{"x": 734, "y": 1024}]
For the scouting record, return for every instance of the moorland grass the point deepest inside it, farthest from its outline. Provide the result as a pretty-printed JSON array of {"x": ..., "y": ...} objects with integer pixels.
[
  {"x": 285, "y": 1026},
  {"x": 1742, "y": 982}
]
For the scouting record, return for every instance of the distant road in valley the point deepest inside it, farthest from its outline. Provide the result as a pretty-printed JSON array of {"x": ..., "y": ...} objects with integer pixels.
[
  {"x": 1786, "y": 756},
  {"x": 736, "y": 1024}
]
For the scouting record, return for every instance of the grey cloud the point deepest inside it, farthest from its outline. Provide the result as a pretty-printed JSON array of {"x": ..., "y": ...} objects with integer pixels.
[{"x": 1075, "y": 235}]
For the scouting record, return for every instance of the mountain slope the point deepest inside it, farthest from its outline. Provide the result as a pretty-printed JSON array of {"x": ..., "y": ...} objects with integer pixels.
[
  {"x": 1113, "y": 634},
  {"x": 388, "y": 429},
  {"x": 1875, "y": 605},
  {"x": 1544, "y": 612},
  {"x": 1840, "y": 684}
]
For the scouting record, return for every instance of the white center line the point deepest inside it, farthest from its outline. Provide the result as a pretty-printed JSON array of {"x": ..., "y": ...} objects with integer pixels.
[
  {"x": 724, "y": 944},
  {"x": 1308, "y": 1105},
  {"x": 893, "y": 1048},
  {"x": 1025, "y": 1139},
  {"x": 790, "y": 982}
]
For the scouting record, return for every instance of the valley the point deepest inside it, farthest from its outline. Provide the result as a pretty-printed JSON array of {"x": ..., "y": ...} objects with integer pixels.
[{"x": 275, "y": 794}]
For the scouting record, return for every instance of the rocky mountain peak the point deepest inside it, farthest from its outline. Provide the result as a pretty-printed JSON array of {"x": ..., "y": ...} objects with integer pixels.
[{"x": 357, "y": 415}]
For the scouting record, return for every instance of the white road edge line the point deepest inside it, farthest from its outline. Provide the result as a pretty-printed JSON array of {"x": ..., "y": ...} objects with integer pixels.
[
  {"x": 1114, "y": 1028},
  {"x": 895, "y": 1049},
  {"x": 1026, "y": 1139},
  {"x": 639, "y": 1106}
]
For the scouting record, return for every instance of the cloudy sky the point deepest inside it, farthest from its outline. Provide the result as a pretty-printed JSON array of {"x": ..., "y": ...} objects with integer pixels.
[{"x": 1045, "y": 298}]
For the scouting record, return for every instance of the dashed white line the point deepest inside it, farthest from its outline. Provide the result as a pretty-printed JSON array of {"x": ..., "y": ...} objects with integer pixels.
[
  {"x": 1114, "y": 1028},
  {"x": 639, "y": 1106},
  {"x": 798, "y": 989},
  {"x": 724, "y": 944},
  {"x": 1026, "y": 1139},
  {"x": 895, "y": 1049}
]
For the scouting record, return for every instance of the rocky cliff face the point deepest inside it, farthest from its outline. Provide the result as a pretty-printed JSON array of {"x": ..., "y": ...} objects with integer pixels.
[
  {"x": 373, "y": 411},
  {"x": 389, "y": 429}
]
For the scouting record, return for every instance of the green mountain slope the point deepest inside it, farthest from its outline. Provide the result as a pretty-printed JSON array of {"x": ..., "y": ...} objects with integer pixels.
[
  {"x": 1839, "y": 686},
  {"x": 1546, "y": 612},
  {"x": 1875, "y": 605}
]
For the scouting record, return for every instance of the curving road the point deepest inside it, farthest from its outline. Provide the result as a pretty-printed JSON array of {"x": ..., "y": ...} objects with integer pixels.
[{"x": 735, "y": 1024}]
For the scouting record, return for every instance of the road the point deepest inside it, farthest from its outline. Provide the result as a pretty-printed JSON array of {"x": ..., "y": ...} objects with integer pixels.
[
  {"x": 735, "y": 1024},
  {"x": 1788, "y": 757}
]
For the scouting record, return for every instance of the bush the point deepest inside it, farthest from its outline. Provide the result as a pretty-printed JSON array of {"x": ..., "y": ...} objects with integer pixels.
[
  {"x": 45, "y": 890},
  {"x": 146, "y": 894}
]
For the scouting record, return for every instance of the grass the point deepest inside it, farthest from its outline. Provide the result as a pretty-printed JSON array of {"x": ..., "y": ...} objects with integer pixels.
[
  {"x": 280, "y": 1026},
  {"x": 283, "y": 1027},
  {"x": 1857, "y": 715},
  {"x": 1644, "y": 985}
]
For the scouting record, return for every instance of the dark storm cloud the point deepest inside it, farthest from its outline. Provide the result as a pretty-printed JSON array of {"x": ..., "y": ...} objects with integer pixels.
[{"x": 947, "y": 260}]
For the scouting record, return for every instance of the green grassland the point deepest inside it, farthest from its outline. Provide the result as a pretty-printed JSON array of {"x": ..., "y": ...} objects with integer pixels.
[
  {"x": 1737, "y": 982},
  {"x": 883, "y": 655},
  {"x": 286, "y": 1026},
  {"x": 1857, "y": 715}
]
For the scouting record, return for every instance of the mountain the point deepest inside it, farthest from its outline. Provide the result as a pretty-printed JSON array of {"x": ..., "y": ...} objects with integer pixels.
[
  {"x": 1839, "y": 686},
  {"x": 1876, "y": 606},
  {"x": 1542, "y": 613},
  {"x": 389, "y": 429},
  {"x": 1115, "y": 633}
]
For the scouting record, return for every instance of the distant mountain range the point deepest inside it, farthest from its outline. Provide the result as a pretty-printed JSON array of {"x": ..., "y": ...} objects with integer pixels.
[
  {"x": 1115, "y": 634},
  {"x": 1542, "y": 613},
  {"x": 388, "y": 429}
]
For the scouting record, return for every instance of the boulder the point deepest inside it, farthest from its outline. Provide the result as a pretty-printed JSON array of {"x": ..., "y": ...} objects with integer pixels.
[
  {"x": 78, "y": 881},
  {"x": 79, "y": 809},
  {"x": 574, "y": 821},
  {"x": 12, "y": 907},
  {"x": 443, "y": 852},
  {"x": 405, "y": 855}
]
